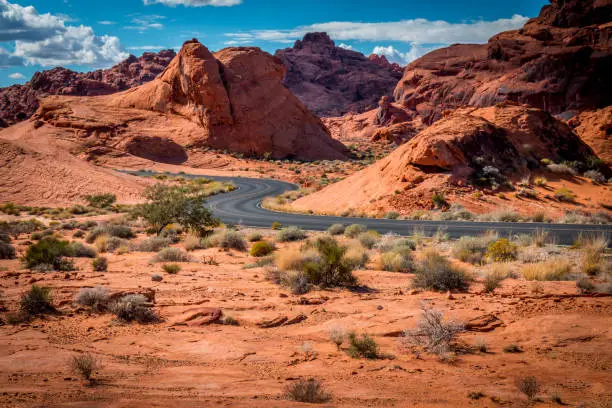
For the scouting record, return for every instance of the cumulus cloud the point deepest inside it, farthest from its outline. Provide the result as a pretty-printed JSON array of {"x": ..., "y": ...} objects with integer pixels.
[
  {"x": 194, "y": 3},
  {"x": 420, "y": 31},
  {"x": 402, "y": 58},
  {"x": 346, "y": 46},
  {"x": 17, "y": 75},
  {"x": 46, "y": 39}
]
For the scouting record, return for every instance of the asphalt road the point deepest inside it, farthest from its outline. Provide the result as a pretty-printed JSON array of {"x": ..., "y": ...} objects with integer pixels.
[{"x": 243, "y": 206}]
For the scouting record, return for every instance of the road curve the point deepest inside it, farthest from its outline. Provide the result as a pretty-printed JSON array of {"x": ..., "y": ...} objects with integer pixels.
[{"x": 243, "y": 206}]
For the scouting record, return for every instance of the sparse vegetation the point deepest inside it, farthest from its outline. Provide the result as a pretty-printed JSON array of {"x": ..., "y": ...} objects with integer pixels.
[
  {"x": 85, "y": 365},
  {"x": 435, "y": 272},
  {"x": 595, "y": 176},
  {"x": 592, "y": 254},
  {"x": 171, "y": 268},
  {"x": 111, "y": 230},
  {"x": 512, "y": 348},
  {"x": 363, "y": 346},
  {"x": 565, "y": 195},
  {"x": 255, "y": 237},
  {"x": 368, "y": 239},
  {"x": 172, "y": 255},
  {"x": 49, "y": 251},
  {"x": 433, "y": 332},
  {"x": 439, "y": 200},
  {"x": 563, "y": 169},
  {"x": 336, "y": 229},
  {"x": 192, "y": 242},
  {"x": 473, "y": 249},
  {"x": 101, "y": 200},
  {"x": 276, "y": 225},
  {"x": 153, "y": 244},
  {"x": 310, "y": 391},
  {"x": 36, "y": 301},
  {"x": 80, "y": 250},
  {"x": 262, "y": 248},
  {"x": 502, "y": 250},
  {"x": 291, "y": 234},
  {"x": 100, "y": 264},
  {"x": 353, "y": 231},
  {"x": 552, "y": 270},
  {"x": 96, "y": 298},
  {"x": 133, "y": 308},
  {"x": 226, "y": 239},
  {"x": 336, "y": 335},
  {"x": 528, "y": 386},
  {"x": 7, "y": 251}
]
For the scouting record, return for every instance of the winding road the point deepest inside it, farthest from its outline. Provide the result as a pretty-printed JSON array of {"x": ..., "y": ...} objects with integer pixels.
[{"x": 243, "y": 206}]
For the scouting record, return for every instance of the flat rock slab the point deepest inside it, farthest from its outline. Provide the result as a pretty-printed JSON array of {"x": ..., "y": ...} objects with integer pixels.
[{"x": 198, "y": 316}]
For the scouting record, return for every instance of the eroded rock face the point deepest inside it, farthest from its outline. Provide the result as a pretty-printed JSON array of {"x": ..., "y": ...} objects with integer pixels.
[
  {"x": 332, "y": 81},
  {"x": 559, "y": 61},
  {"x": 19, "y": 102}
]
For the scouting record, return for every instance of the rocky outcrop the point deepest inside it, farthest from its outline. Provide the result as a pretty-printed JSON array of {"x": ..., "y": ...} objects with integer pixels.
[
  {"x": 595, "y": 129},
  {"x": 19, "y": 102},
  {"x": 233, "y": 99},
  {"x": 558, "y": 62},
  {"x": 332, "y": 81},
  {"x": 383, "y": 62}
]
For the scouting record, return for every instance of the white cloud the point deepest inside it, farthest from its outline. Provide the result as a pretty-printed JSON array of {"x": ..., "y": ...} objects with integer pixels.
[
  {"x": 145, "y": 22},
  {"x": 402, "y": 58},
  {"x": 46, "y": 39},
  {"x": 194, "y": 3},
  {"x": 146, "y": 47},
  {"x": 17, "y": 75},
  {"x": 346, "y": 46},
  {"x": 107, "y": 22},
  {"x": 420, "y": 31}
]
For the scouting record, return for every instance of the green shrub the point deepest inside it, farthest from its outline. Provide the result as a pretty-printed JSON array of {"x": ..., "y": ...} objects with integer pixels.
[
  {"x": 101, "y": 200},
  {"x": 502, "y": 250},
  {"x": 276, "y": 225},
  {"x": 332, "y": 267},
  {"x": 336, "y": 229},
  {"x": 368, "y": 239},
  {"x": 10, "y": 209},
  {"x": 172, "y": 268},
  {"x": 172, "y": 255},
  {"x": 262, "y": 248},
  {"x": 435, "y": 272},
  {"x": 309, "y": 391},
  {"x": 16, "y": 228},
  {"x": 254, "y": 237},
  {"x": 439, "y": 200},
  {"x": 354, "y": 230},
  {"x": 364, "y": 346},
  {"x": 48, "y": 251},
  {"x": 291, "y": 234},
  {"x": 565, "y": 195},
  {"x": 473, "y": 249},
  {"x": 36, "y": 301},
  {"x": 392, "y": 215},
  {"x": 7, "y": 251},
  {"x": 119, "y": 231},
  {"x": 80, "y": 250},
  {"x": 100, "y": 264}
]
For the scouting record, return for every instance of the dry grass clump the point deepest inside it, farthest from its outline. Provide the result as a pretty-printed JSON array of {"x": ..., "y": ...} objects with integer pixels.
[
  {"x": 96, "y": 298},
  {"x": 112, "y": 230},
  {"x": 105, "y": 243},
  {"x": 560, "y": 168},
  {"x": 540, "y": 181},
  {"x": 171, "y": 268},
  {"x": 100, "y": 264},
  {"x": 297, "y": 281},
  {"x": 192, "y": 242},
  {"x": 503, "y": 215},
  {"x": 310, "y": 391},
  {"x": 254, "y": 237},
  {"x": 85, "y": 365},
  {"x": 294, "y": 259},
  {"x": 553, "y": 270},
  {"x": 226, "y": 239},
  {"x": 172, "y": 255},
  {"x": 353, "y": 231},
  {"x": 153, "y": 244},
  {"x": 368, "y": 239},
  {"x": 291, "y": 234},
  {"x": 565, "y": 195},
  {"x": 336, "y": 335},
  {"x": 435, "y": 272},
  {"x": 528, "y": 386},
  {"x": 133, "y": 308},
  {"x": 473, "y": 249},
  {"x": 495, "y": 276},
  {"x": 592, "y": 250},
  {"x": 262, "y": 248},
  {"x": 356, "y": 255},
  {"x": 80, "y": 250},
  {"x": 433, "y": 332},
  {"x": 336, "y": 229},
  {"x": 363, "y": 346}
]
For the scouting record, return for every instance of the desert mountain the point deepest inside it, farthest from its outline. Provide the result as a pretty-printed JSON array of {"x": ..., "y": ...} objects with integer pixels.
[
  {"x": 332, "y": 81},
  {"x": 19, "y": 102},
  {"x": 233, "y": 100}
]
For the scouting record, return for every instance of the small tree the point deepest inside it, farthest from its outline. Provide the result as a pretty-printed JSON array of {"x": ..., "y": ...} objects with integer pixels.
[{"x": 176, "y": 204}]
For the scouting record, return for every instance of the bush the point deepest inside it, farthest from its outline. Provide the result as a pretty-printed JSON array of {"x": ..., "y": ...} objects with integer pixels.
[
  {"x": 291, "y": 259},
  {"x": 262, "y": 248},
  {"x": 297, "y": 281},
  {"x": 493, "y": 279},
  {"x": 565, "y": 195},
  {"x": 7, "y": 251},
  {"x": 502, "y": 250},
  {"x": 433, "y": 333},
  {"x": 48, "y": 251},
  {"x": 473, "y": 249},
  {"x": 291, "y": 234},
  {"x": 354, "y": 230},
  {"x": 553, "y": 270},
  {"x": 153, "y": 244},
  {"x": 364, "y": 346},
  {"x": 528, "y": 386},
  {"x": 396, "y": 261},
  {"x": 36, "y": 301},
  {"x": 309, "y": 391},
  {"x": 368, "y": 239},
  {"x": 591, "y": 258},
  {"x": 119, "y": 231},
  {"x": 172, "y": 255},
  {"x": 101, "y": 200},
  {"x": 226, "y": 239},
  {"x": 193, "y": 242},
  {"x": 561, "y": 169},
  {"x": 584, "y": 285},
  {"x": 96, "y": 298},
  {"x": 356, "y": 256},
  {"x": 100, "y": 264},
  {"x": 85, "y": 365},
  {"x": 336, "y": 335},
  {"x": 336, "y": 229},
  {"x": 439, "y": 200},
  {"x": 78, "y": 234},
  {"x": 172, "y": 269},
  {"x": 133, "y": 307},
  {"x": 332, "y": 268},
  {"x": 80, "y": 250},
  {"x": 254, "y": 237},
  {"x": 276, "y": 225},
  {"x": 435, "y": 272},
  {"x": 540, "y": 181},
  {"x": 392, "y": 215},
  {"x": 595, "y": 176}
]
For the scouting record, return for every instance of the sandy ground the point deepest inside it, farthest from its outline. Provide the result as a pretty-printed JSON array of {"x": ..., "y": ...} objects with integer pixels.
[{"x": 565, "y": 340}]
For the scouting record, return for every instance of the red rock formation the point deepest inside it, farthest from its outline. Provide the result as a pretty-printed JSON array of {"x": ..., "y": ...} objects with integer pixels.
[
  {"x": 559, "y": 61},
  {"x": 383, "y": 62},
  {"x": 595, "y": 129},
  {"x": 19, "y": 102},
  {"x": 332, "y": 81}
]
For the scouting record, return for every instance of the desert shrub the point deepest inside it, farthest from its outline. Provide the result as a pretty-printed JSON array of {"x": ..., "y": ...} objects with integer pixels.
[
  {"x": 398, "y": 259},
  {"x": 96, "y": 298},
  {"x": 192, "y": 242},
  {"x": 10, "y": 209},
  {"x": 297, "y": 281},
  {"x": 171, "y": 268},
  {"x": 592, "y": 252},
  {"x": 528, "y": 386},
  {"x": 481, "y": 345},
  {"x": 332, "y": 268},
  {"x": 584, "y": 285},
  {"x": 502, "y": 250},
  {"x": 260, "y": 262},
  {"x": 100, "y": 264},
  {"x": 171, "y": 232},
  {"x": 153, "y": 244},
  {"x": 336, "y": 335},
  {"x": 85, "y": 365},
  {"x": 561, "y": 169},
  {"x": 540, "y": 181},
  {"x": 81, "y": 250},
  {"x": 48, "y": 251},
  {"x": 368, "y": 239},
  {"x": 439, "y": 200},
  {"x": 457, "y": 212},
  {"x": 433, "y": 332},
  {"x": 112, "y": 230},
  {"x": 7, "y": 251},
  {"x": 553, "y": 270},
  {"x": 392, "y": 215},
  {"x": 565, "y": 195},
  {"x": 356, "y": 256},
  {"x": 101, "y": 200},
  {"x": 36, "y": 301},
  {"x": 254, "y": 237},
  {"x": 16, "y": 228},
  {"x": 435, "y": 272},
  {"x": 226, "y": 239},
  {"x": 133, "y": 307},
  {"x": 595, "y": 176},
  {"x": 276, "y": 225},
  {"x": 112, "y": 244},
  {"x": 262, "y": 248},
  {"x": 290, "y": 234},
  {"x": 183, "y": 205},
  {"x": 310, "y": 391},
  {"x": 353, "y": 231},
  {"x": 493, "y": 278},
  {"x": 5, "y": 238},
  {"x": 78, "y": 234},
  {"x": 362, "y": 346},
  {"x": 172, "y": 255},
  {"x": 473, "y": 249},
  {"x": 292, "y": 259},
  {"x": 336, "y": 229}
]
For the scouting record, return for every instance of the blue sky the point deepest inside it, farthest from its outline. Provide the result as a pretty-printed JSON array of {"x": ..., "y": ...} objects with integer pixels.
[{"x": 41, "y": 34}]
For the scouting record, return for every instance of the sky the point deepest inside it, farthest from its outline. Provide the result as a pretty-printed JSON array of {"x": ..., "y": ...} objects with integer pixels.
[{"x": 86, "y": 34}]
